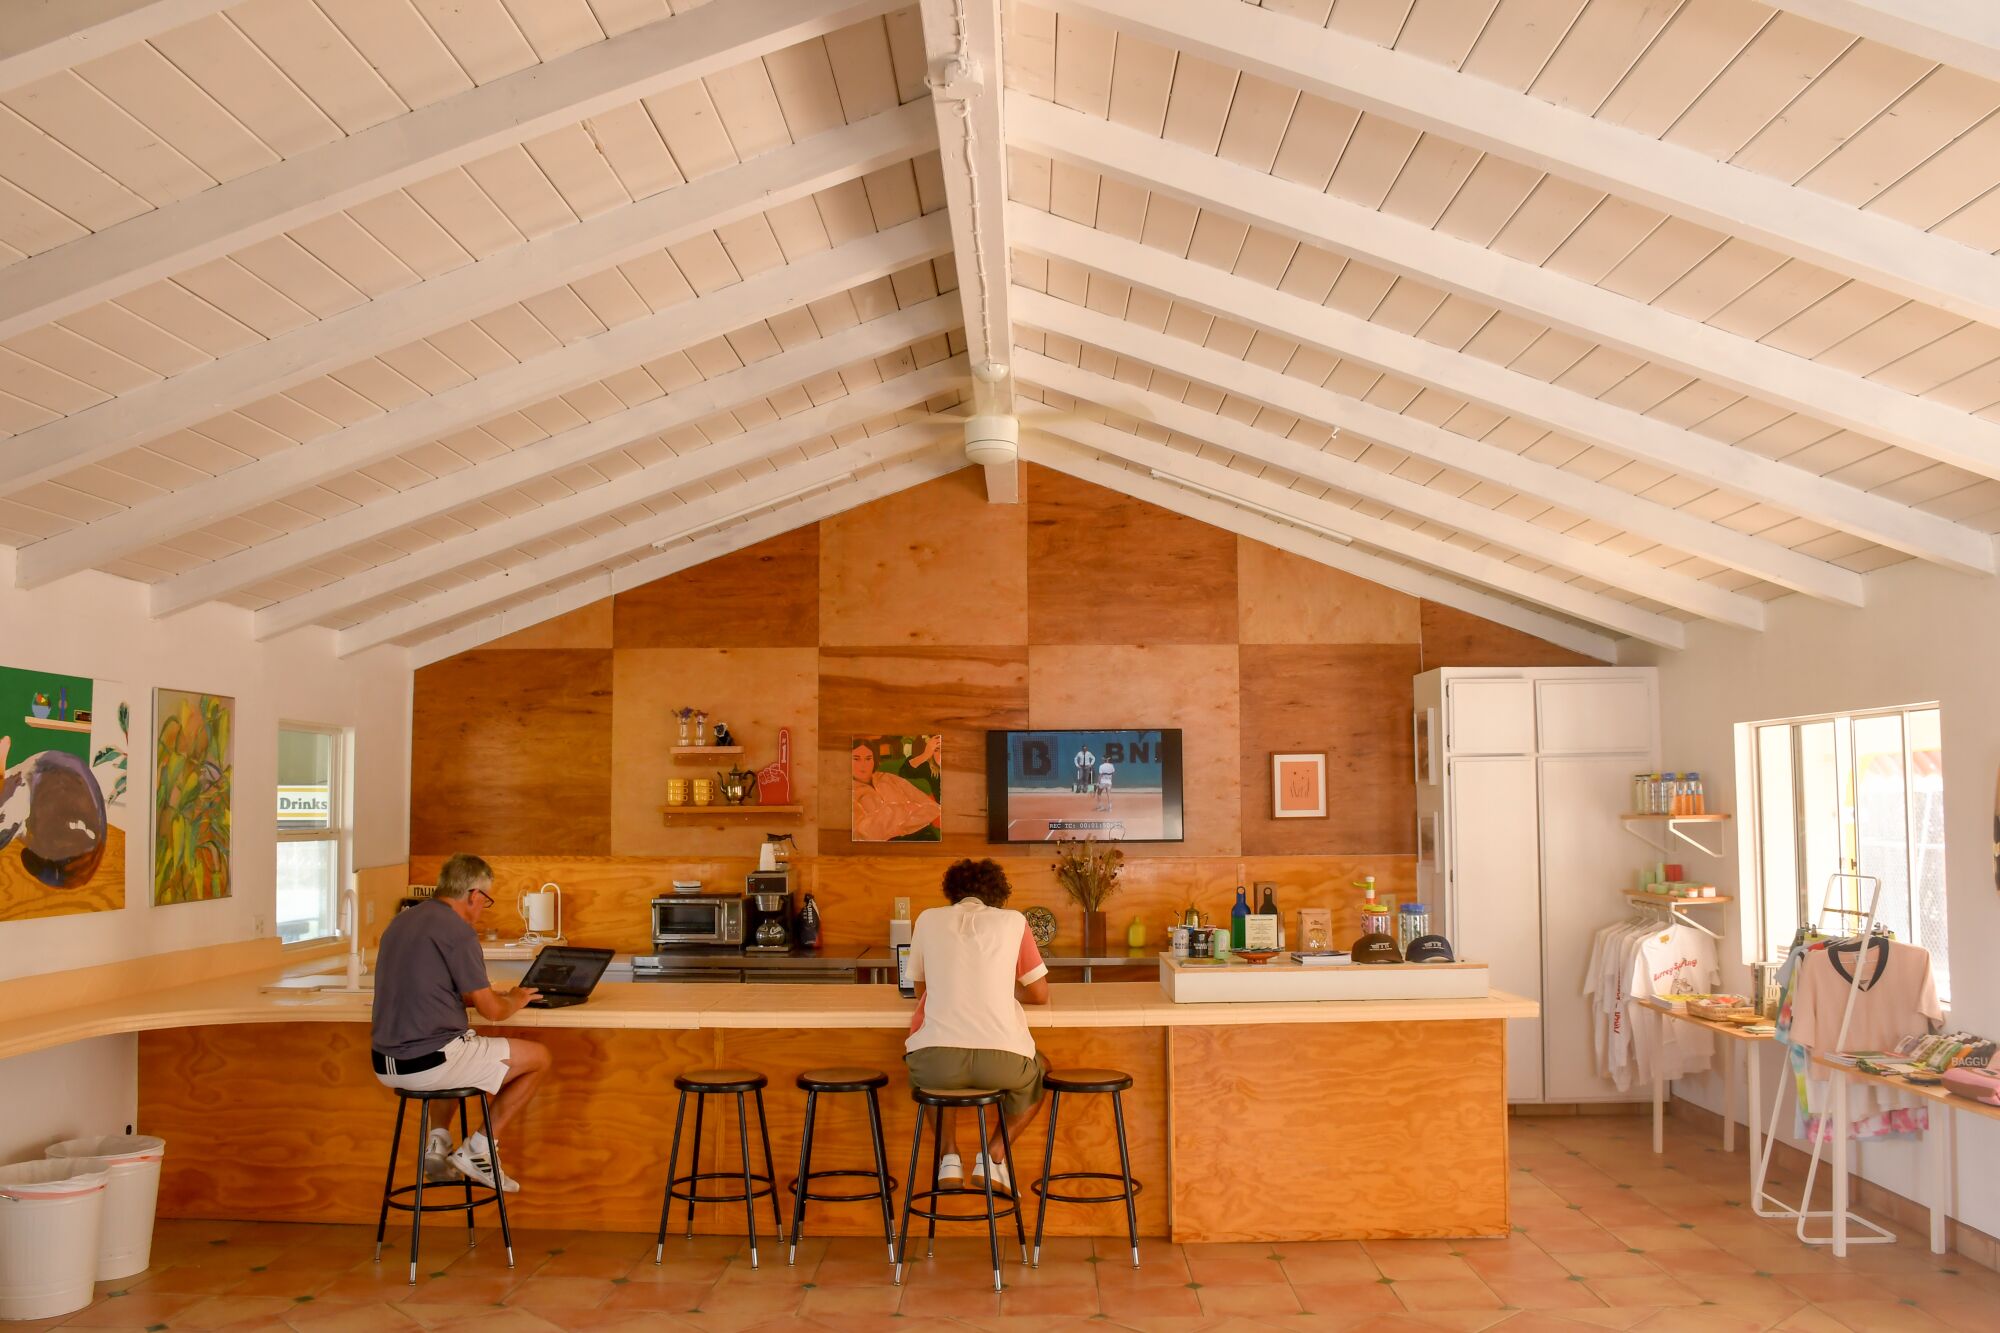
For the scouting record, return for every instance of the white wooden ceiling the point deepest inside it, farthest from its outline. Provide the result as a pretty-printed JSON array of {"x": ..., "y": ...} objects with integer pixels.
[{"x": 421, "y": 320}]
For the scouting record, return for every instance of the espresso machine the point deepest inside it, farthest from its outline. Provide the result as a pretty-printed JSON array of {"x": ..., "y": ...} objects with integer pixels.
[{"x": 768, "y": 923}]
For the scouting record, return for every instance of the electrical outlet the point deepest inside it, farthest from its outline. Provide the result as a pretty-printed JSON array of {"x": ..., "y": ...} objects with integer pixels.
[
  {"x": 257, "y": 922},
  {"x": 902, "y": 909},
  {"x": 370, "y": 918}
]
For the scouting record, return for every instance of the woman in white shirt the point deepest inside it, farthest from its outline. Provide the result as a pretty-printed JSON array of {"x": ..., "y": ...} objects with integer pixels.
[{"x": 974, "y": 964}]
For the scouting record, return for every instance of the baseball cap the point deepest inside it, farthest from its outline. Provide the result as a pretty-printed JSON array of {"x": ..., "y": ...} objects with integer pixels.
[
  {"x": 1377, "y": 948},
  {"x": 1429, "y": 949}
]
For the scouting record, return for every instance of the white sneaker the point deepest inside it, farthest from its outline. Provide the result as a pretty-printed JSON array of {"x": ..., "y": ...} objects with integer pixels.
[
  {"x": 951, "y": 1172},
  {"x": 983, "y": 1171},
  {"x": 474, "y": 1159},
  {"x": 437, "y": 1153}
]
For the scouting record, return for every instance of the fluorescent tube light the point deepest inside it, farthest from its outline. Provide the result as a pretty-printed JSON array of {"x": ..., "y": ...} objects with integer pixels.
[{"x": 1263, "y": 511}]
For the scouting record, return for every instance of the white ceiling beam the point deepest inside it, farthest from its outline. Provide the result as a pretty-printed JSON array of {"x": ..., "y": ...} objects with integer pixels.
[
  {"x": 576, "y": 447},
  {"x": 1393, "y": 574},
  {"x": 1420, "y": 439},
  {"x": 1432, "y": 97},
  {"x": 412, "y": 621},
  {"x": 1328, "y": 469},
  {"x": 43, "y": 37},
  {"x": 1491, "y": 571},
  {"x": 518, "y": 386},
  {"x": 890, "y": 480},
  {"x": 410, "y": 148},
  {"x": 1964, "y": 34},
  {"x": 963, "y": 65},
  {"x": 1920, "y": 425},
  {"x": 1625, "y": 432},
  {"x": 644, "y": 486},
  {"x": 428, "y": 307}
]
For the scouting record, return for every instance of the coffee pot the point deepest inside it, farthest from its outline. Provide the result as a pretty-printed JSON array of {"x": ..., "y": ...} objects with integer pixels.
[{"x": 737, "y": 786}]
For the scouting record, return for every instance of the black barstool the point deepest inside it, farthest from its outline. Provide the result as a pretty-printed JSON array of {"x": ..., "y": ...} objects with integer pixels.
[
  {"x": 814, "y": 1082},
  {"x": 1088, "y": 1081},
  {"x": 476, "y": 1195},
  {"x": 923, "y": 1203},
  {"x": 706, "y": 1083}
]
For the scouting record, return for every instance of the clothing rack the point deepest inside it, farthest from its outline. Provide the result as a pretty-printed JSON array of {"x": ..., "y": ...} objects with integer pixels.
[{"x": 1835, "y": 1119}]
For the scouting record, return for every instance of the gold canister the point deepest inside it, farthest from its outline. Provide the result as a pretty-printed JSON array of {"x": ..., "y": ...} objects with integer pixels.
[
  {"x": 677, "y": 791},
  {"x": 703, "y": 791}
]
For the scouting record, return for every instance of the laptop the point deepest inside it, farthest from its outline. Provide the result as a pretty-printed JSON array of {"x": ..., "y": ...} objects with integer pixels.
[{"x": 564, "y": 975}]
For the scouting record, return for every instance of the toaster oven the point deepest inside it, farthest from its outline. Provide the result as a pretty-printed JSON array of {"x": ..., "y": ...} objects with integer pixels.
[{"x": 698, "y": 922}]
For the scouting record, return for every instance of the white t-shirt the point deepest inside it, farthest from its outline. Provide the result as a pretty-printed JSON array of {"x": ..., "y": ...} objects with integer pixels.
[
  {"x": 969, "y": 958},
  {"x": 1104, "y": 772}
]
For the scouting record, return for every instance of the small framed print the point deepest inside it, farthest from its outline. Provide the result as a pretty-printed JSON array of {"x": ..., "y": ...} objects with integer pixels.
[{"x": 1298, "y": 786}]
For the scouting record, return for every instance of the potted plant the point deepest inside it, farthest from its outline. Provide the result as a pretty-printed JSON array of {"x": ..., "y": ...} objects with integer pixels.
[{"x": 1089, "y": 873}]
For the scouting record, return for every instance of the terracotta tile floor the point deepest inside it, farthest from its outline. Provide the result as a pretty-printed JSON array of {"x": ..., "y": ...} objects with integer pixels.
[{"x": 1608, "y": 1237}]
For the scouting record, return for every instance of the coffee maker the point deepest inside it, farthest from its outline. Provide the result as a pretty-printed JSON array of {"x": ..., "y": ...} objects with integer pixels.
[{"x": 768, "y": 925}]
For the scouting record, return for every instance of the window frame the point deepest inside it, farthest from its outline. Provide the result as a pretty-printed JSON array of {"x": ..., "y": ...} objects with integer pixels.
[
  {"x": 339, "y": 830},
  {"x": 1848, "y": 817}
]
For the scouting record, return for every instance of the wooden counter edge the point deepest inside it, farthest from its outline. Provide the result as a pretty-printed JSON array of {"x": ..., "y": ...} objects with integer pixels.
[{"x": 241, "y": 999}]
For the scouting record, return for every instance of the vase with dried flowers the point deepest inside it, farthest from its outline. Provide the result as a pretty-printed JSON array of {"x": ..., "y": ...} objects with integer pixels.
[{"x": 1088, "y": 873}]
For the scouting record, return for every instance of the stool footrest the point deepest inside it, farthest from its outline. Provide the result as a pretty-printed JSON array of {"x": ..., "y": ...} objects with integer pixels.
[
  {"x": 792, "y": 1187},
  {"x": 693, "y": 1183},
  {"x": 481, "y": 1196},
  {"x": 1004, "y": 1205},
  {"x": 1041, "y": 1187}
]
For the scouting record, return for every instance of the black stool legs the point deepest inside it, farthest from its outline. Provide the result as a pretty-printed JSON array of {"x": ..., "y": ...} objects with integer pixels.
[
  {"x": 816, "y": 1082},
  {"x": 476, "y": 1196},
  {"x": 703, "y": 1085},
  {"x": 924, "y": 1203},
  {"x": 1089, "y": 1081}
]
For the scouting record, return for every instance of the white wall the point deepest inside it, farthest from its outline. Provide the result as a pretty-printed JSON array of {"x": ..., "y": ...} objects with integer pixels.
[
  {"x": 1925, "y": 635},
  {"x": 98, "y": 626}
]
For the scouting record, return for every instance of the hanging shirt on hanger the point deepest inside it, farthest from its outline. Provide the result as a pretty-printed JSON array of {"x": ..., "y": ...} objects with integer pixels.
[{"x": 1896, "y": 998}]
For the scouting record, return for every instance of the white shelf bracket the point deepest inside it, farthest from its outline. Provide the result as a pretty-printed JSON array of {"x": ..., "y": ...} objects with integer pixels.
[{"x": 1675, "y": 828}]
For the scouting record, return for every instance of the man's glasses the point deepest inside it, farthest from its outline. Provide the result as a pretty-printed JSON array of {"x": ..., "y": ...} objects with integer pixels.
[{"x": 481, "y": 893}]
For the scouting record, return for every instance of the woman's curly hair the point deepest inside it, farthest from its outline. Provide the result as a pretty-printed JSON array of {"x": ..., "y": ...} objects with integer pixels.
[{"x": 984, "y": 880}]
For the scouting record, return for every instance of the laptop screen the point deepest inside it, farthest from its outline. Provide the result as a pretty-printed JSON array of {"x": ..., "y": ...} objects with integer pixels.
[
  {"x": 904, "y": 986},
  {"x": 561, "y": 970}
]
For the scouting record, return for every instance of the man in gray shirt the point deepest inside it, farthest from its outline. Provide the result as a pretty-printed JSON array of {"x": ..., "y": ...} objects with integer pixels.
[{"x": 428, "y": 970}]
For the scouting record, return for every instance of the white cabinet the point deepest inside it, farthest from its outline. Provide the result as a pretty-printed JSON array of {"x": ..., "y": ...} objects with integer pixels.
[
  {"x": 1489, "y": 716},
  {"x": 1536, "y": 766}
]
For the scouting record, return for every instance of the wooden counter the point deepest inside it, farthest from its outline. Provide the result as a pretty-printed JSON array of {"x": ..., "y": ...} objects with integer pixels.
[{"x": 272, "y": 1113}]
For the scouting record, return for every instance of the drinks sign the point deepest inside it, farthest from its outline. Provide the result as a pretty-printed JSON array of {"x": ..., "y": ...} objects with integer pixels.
[{"x": 305, "y": 807}]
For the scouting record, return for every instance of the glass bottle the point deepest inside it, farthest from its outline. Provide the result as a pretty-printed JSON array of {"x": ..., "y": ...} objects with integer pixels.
[
  {"x": 810, "y": 926},
  {"x": 1269, "y": 907},
  {"x": 1238, "y": 915}
]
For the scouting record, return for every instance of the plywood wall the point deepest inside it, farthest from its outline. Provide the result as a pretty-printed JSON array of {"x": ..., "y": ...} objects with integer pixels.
[{"x": 934, "y": 611}]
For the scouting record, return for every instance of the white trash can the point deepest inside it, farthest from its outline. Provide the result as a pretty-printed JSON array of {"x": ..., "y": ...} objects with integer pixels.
[
  {"x": 49, "y": 1216},
  {"x": 131, "y": 1163}
]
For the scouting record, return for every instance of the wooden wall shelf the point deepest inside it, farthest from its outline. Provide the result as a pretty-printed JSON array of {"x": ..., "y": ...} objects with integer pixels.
[
  {"x": 1673, "y": 901},
  {"x": 730, "y": 811},
  {"x": 703, "y": 751},
  {"x": 1674, "y": 819}
]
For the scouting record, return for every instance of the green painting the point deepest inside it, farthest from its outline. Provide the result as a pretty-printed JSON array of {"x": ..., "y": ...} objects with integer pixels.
[
  {"x": 193, "y": 767},
  {"x": 64, "y": 746}
]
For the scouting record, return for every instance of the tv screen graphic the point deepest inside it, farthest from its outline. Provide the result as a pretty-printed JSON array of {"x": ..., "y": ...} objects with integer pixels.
[{"x": 1112, "y": 784}]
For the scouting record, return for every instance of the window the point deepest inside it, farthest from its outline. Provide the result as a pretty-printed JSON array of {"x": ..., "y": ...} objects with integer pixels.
[
  {"x": 1842, "y": 798},
  {"x": 314, "y": 842}
]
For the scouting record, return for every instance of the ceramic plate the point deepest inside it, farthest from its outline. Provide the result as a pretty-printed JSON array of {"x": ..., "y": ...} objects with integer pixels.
[{"x": 1042, "y": 923}]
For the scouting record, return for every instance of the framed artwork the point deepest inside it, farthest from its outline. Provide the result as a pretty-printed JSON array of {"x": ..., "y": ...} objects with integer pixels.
[
  {"x": 1425, "y": 745},
  {"x": 194, "y": 767},
  {"x": 1427, "y": 840},
  {"x": 1298, "y": 786},
  {"x": 65, "y": 743},
  {"x": 898, "y": 788}
]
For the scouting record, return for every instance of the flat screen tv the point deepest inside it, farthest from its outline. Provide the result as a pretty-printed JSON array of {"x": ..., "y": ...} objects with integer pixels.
[{"x": 1113, "y": 785}]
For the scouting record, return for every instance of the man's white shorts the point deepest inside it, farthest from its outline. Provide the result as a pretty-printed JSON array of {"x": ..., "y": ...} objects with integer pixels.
[{"x": 470, "y": 1061}]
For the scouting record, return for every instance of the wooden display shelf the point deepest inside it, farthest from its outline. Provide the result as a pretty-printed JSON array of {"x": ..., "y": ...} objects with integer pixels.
[
  {"x": 56, "y": 724},
  {"x": 1638, "y": 897},
  {"x": 703, "y": 751},
  {"x": 670, "y": 811},
  {"x": 1675, "y": 819}
]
